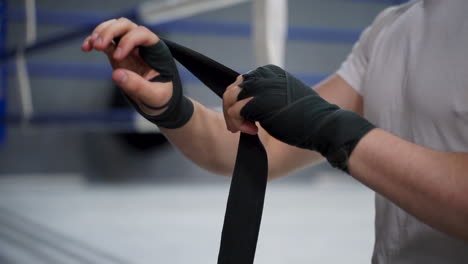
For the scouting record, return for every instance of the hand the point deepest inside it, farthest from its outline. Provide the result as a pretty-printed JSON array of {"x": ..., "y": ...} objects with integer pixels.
[
  {"x": 231, "y": 109},
  {"x": 293, "y": 113},
  {"x": 131, "y": 73},
  {"x": 144, "y": 69}
]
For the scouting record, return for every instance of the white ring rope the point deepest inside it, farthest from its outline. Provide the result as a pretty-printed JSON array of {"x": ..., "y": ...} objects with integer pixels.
[
  {"x": 24, "y": 87},
  {"x": 24, "y": 83},
  {"x": 31, "y": 22}
]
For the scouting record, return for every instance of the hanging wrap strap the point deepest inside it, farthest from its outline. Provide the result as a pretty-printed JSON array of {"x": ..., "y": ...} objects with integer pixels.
[{"x": 247, "y": 192}]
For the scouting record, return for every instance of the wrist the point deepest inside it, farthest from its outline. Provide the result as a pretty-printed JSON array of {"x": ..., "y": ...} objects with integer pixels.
[
  {"x": 341, "y": 135},
  {"x": 174, "y": 117},
  {"x": 179, "y": 109}
]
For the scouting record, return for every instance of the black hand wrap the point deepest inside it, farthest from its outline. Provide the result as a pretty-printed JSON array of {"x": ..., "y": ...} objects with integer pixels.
[
  {"x": 179, "y": 108},
  {"x": 248, "y": 184},
  {"x": 294, "y": 113}
]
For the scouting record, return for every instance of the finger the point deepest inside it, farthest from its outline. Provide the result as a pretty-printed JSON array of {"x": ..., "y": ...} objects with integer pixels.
[
  {"x": 227, "y": 102},
  {"x": 230, "y": 95},
  {"x": 150, "y": 93},
  {"x": 239, "y": 79},
  {"x": 115, "y": 29},
  {"x": 239, "y": 123},
  {"x": 85, "y": 46},
  {"x": 109, "y": 51},
  {"x": 225, "y": 107},
  {"x": 98, "y": 30},
  {"x": 249, "y": 127},
  {"x": 235, "y": 110},
  {"x": 138, "y": 36}
]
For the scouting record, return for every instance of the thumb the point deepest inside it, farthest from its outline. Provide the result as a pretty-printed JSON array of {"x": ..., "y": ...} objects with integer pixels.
[{"x": 144, "y": 92}]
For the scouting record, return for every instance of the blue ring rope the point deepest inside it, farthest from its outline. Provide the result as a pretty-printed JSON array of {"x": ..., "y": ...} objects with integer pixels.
[{"x": 60, "y": 38}]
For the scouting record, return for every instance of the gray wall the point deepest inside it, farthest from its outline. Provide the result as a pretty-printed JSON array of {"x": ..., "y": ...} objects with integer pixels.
[{"x": 100, "y": 155}]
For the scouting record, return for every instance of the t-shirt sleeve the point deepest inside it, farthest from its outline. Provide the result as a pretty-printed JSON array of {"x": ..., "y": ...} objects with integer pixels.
[{"x": 353, "y": 69}]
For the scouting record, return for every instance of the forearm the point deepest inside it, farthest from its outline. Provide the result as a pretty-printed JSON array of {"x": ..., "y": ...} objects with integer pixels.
[
  {"x": 431, "y": 185},
  {"x": 206, "y": 141},
  {"x": 284, "y": 159}
]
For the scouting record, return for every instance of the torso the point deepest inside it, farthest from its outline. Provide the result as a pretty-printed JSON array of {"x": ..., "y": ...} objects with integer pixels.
[{"x": 416, "y": 87}]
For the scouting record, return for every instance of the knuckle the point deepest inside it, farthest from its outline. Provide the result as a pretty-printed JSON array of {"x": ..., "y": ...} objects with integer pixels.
[
  {"x": 104, "y": 25},
  {"x": 226, "y": 96},
  {"x": 149, "y": 36},
  {"x": 235, "y": 90},
  {"x": 105, "y": 22},
  {"x": 126, "y": 22},
  {"x": 141, "y": 28},
  {"x": 123, "y": 20}
]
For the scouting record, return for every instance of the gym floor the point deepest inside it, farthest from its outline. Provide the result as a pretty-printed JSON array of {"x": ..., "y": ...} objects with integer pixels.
[{"x": 315, "y": 216}]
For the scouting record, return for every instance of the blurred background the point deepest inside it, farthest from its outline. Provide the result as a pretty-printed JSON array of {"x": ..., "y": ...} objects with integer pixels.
[{"x": 84, "y": 180}]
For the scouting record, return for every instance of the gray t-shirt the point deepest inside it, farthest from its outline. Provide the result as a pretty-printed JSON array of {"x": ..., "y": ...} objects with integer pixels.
[{"x": 411, "y": 67}]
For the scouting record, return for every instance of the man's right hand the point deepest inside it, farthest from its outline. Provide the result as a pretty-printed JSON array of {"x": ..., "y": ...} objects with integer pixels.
[{"x": 131, "y": 73}]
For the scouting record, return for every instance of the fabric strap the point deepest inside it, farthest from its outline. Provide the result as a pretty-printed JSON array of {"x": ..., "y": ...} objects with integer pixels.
[{"x": 248, "y": 184}]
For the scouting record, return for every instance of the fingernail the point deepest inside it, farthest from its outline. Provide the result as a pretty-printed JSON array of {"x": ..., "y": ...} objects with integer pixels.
[
  {"x": 118, "y": 53},
  {"x": 121, "y": 76},
  {"x": 94, "y": 36}
]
